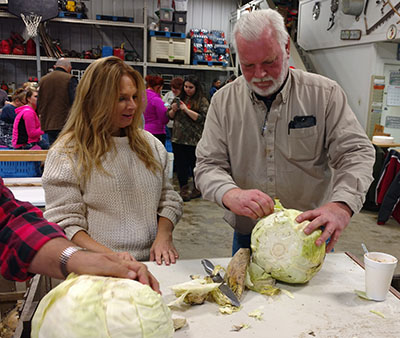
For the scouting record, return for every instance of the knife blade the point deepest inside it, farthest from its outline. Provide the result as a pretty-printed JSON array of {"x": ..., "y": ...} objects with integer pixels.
[{"x": 217, "y": 278}]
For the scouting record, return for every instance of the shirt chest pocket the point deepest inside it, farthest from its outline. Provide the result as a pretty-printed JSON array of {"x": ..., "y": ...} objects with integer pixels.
[{"x": 302, "y": 143}]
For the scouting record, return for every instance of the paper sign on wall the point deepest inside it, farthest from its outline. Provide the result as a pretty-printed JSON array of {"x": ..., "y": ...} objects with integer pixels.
[
  {"x": 394, "y": 78},
  {"x": 392, "y": 122},
  {"x": 393, "y": 95}
]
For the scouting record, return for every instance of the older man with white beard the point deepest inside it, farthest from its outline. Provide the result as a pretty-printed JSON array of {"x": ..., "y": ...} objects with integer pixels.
[{"x": 281, "y": 133}]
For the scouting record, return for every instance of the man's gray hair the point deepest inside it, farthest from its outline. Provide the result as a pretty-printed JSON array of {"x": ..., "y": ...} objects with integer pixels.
[
  {"x": 252, "y": 25},
  {"x": 64, "y": 63}
]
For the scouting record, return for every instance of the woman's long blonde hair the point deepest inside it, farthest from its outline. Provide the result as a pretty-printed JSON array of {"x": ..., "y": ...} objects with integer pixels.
[{"x": 87, "y": 132}]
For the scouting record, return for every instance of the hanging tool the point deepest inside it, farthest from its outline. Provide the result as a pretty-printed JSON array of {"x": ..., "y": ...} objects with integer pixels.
[
  {"x": 365, "y": 7},
  {"x": 316, "y": 10},
  {"x": 386, "y": 17},
  {"x": 334, "y": 8}
]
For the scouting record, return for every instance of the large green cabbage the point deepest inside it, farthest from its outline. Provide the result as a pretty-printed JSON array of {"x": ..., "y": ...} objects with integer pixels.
[
  {"x": 92, "y": 306},
  {"x": 282, "y": 249}
]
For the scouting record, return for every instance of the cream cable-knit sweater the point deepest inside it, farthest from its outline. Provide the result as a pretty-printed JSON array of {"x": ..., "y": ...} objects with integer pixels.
[{"x": 119, "y": 211}]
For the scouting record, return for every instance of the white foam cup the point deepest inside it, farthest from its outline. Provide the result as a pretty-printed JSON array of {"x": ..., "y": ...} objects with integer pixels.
[{"x": 379, "y": 269}]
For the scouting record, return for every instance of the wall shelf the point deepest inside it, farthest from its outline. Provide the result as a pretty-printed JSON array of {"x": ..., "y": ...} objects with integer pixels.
[
  {"x": 191, "y": 67},
  {"x": 84, "y": 21},
  {"x": 143, "y": 43},
  {"x": 50, "y": 59}
]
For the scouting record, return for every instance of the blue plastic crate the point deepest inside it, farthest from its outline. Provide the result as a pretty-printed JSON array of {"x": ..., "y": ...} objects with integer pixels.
[{"x": 20, "y": 169}]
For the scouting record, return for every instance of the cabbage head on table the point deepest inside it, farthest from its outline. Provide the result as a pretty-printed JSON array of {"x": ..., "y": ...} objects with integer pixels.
[{"x": 282, "y": 249}]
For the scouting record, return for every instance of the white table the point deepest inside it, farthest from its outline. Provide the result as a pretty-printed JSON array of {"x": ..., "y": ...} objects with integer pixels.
[
  {"x": 27, "y": 189},
  {"x": 325, "y": 307}
]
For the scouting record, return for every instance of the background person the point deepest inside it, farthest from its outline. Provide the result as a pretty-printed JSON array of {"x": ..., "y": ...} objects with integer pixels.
[
  {"x": 7, "y": 117},
  {"x": 155, "y": 115},
  {"x": 176, "y": 89},
  {"x": 56, "y": 94},
  {"x": 282, "y": 133},
  {"x": 17, "y": 100},
  {"x": 3, "y": 98},
  {"x": 27, "y": 133},
  {"x": 230, "y": 79},
  {"x": 29, "y": 244},
  {"x": 216, "y": 84},
  {"x": 106, "y": 179},
  {"x": 189, "y": 116}
]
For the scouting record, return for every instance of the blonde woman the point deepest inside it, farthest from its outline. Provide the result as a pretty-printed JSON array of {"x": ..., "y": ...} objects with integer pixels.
[{"x": 106, "y": 179}]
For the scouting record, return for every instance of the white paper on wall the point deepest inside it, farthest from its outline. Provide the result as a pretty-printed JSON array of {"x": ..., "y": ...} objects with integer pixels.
[{"x": 393, "y": 95}]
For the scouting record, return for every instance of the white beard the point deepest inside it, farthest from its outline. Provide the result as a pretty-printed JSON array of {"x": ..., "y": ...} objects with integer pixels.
[{"x": 276, "y": 83}]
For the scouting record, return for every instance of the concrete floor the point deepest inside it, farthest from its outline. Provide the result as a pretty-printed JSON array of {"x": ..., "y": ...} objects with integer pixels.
[{"x": 203, "y": 233}]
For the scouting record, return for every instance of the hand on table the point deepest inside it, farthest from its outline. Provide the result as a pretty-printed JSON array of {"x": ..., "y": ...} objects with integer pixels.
[
  {"x": 334, "y": 216},
  {"x": 163, "y": 249},
  {"x": 251, "y": 203}
]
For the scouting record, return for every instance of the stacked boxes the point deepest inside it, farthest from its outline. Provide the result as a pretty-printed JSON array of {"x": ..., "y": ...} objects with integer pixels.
[
  {"x": 165, "y": 14},
  {"x": 170, "y": 20},
  {"x": 180, "y": 22},
  {"x": 209, "y": 46},
  {"x": 181, "y": 5}
]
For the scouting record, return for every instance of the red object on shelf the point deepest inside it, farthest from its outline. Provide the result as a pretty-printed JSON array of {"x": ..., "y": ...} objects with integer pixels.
[
  {"x": 119, "y": 52},
  {"x": 4, "y": 86},
  {"x": 88, "y": 55},
  {"x": 31, "y": 47},
  {"x": 18, "y": 50},
  {"x": 5, "y": 47}
]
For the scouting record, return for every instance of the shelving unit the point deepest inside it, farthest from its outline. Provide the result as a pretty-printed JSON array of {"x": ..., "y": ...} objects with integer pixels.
[
  {"x": 144, "y": 65},
  {"x": 190, "y": 67}
]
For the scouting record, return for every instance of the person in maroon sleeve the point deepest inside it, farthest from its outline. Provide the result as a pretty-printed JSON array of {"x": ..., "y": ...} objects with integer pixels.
[{"x": 29, "y": 244}]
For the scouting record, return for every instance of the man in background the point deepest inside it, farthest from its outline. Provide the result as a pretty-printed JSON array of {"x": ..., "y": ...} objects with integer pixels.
[{"x": 56, "y": 95}]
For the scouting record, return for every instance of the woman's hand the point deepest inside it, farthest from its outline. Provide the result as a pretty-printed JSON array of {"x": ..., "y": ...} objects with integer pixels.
[
  {"x": 184, "y": 107},
  {"x": 174, "y": 107},
  {"x": 171, "y": 112},
  {"x": 163, "y": 249}
]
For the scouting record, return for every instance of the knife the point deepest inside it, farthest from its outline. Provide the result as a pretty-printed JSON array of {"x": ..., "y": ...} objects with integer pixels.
[{"x": 225, "y": 289}]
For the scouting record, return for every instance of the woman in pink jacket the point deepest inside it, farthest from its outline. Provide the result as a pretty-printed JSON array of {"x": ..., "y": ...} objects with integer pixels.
[
  {"x": 26, "y": 130},
  {"x": 155, "y": 115}
]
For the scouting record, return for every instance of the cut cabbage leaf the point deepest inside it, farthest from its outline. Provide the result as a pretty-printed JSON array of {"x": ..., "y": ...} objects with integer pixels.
[
  {"x": 260, "y": 281},
  {"x": 195, "y": 291}
]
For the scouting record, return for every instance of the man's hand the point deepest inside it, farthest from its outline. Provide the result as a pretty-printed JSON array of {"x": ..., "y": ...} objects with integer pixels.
[
  {"x": 111, "y": 264},
  {"x": 125, "y": 256},
  {"x": 251, "y": 203},
  {"x": 334, "y": 216}
]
